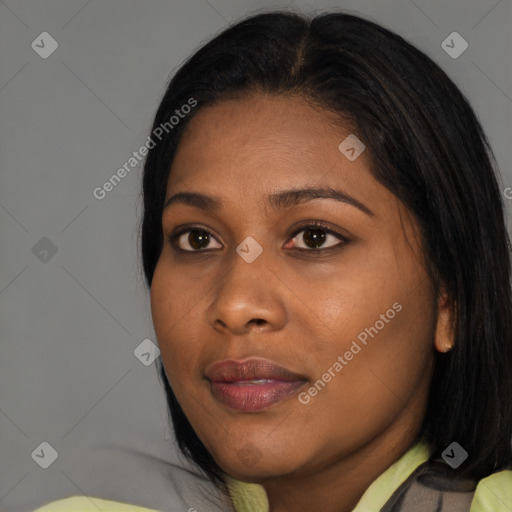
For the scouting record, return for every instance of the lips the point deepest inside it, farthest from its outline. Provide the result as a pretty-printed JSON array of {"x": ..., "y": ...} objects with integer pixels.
[{"x": 253, "y": 384}]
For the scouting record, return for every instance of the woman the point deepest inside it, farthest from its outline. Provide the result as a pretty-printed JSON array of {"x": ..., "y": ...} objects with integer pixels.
[{"x": 324, "y": 241}]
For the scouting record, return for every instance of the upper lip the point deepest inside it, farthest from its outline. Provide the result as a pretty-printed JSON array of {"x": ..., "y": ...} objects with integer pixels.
[{"x": 249, "y": 369}]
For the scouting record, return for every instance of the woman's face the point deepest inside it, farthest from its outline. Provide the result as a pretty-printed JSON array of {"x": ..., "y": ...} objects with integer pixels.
[{"x": 349, "y": 313}]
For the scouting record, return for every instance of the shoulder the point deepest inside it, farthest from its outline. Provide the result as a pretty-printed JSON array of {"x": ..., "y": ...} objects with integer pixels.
[
  {"x": 88, "y": 504},
  {"x": 494, "y": 493}
]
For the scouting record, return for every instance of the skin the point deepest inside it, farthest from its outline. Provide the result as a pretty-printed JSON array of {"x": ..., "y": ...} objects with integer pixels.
[{"x": 300, "y": 309}]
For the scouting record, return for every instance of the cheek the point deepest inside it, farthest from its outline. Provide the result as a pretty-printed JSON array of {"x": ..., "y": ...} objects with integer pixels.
[
  {"x": 385, "y": 362},
  {"x": 172, "y": 314},
  {"x": 162, "y": 303},
  {"x": 380, "y": 321}
]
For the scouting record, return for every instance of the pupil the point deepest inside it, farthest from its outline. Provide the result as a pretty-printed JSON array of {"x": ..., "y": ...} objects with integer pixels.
[
  {"x": 198, "y": 239},
  {"x": 314, "y": 236}
]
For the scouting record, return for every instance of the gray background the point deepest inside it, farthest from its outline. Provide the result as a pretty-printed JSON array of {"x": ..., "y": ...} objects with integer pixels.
[{"x": 69, "y": 325}]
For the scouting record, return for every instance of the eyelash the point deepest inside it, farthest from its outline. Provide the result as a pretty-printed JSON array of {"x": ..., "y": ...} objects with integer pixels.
[{"x": 316, "y": 224}]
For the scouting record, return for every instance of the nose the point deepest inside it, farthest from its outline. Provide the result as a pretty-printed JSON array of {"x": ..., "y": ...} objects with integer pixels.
[{"x": 248, "y": 297}]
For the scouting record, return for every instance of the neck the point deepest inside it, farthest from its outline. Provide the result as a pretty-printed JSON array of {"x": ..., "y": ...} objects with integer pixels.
[{"x": 339, "y": 486}]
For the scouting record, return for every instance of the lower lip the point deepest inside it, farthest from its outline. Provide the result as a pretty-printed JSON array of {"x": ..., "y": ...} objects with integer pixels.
[{"x": 253, "y": 397}]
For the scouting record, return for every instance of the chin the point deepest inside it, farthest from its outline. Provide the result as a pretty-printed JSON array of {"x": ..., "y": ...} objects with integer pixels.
[{"x": 255, "y": 462}]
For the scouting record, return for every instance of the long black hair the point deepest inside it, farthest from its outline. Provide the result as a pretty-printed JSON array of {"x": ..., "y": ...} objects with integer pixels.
[{"x": 426, "y": 146}]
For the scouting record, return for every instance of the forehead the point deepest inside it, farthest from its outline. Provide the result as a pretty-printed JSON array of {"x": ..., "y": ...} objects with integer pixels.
[{"x": 265, "y": 139}]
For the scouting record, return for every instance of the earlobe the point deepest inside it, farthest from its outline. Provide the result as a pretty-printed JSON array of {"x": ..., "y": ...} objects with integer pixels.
[
  {"x": 444, "y": 339},
  {"x": 443, "y": 346}
]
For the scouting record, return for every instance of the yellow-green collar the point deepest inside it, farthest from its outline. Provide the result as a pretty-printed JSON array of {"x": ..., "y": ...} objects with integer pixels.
[{"x": 253, "y": 498}]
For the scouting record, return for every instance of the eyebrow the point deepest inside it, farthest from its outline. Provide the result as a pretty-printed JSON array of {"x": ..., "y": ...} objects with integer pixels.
[{"x": 278, "y": 200}]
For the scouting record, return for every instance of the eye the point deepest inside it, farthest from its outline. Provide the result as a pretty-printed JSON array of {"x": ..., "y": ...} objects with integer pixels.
[
  {"x": 316, "y": 236},
  {"x": 198, "y": 239}
]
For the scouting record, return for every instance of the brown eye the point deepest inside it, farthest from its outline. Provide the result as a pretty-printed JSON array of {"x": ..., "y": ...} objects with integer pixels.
[
  {"x": 197, "y": 239},
  {"x": 314, "y": 237}
]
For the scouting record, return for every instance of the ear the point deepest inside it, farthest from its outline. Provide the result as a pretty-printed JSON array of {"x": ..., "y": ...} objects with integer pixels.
[{"x": 444, "y": 338}]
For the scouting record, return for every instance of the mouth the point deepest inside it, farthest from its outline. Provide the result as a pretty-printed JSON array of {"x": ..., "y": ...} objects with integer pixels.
[{"x": 253, "y": 384}]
